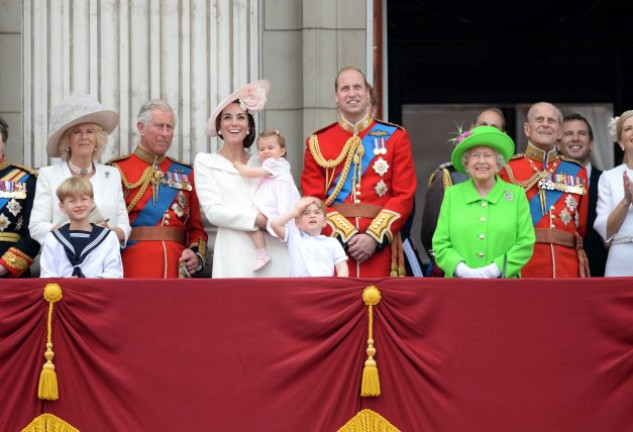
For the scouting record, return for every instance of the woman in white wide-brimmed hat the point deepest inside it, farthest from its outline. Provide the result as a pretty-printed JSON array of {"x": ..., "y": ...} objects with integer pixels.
[
  {"x": 79, "y": 128},
  {"x": 226, "y": 196}
]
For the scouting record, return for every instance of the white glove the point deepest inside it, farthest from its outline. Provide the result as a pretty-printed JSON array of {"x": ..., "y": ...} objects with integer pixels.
[
  {"x": 491, "y": 271},
  {"x": 463, "y": 271}
]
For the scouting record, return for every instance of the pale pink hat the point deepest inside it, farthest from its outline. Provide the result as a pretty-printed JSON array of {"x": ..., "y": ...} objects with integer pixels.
[
  {"x": 251, "y": 97},
  {"x": 78, "y": 108}
]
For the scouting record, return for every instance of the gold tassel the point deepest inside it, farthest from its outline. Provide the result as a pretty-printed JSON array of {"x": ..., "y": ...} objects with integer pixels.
[
  {"x": 49, "y": 423},
  {"x": 370, "y": 385},
  {"x": 48, "y": 388}
]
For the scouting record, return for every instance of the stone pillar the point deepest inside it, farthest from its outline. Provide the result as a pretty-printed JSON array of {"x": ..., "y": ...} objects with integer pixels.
[
  {"x": 191, "y": 53},
  {"x": 303, "y": 46}
]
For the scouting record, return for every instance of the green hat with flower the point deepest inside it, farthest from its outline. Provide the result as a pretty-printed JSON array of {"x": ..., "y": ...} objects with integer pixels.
[{"x": 488, "y": 136}]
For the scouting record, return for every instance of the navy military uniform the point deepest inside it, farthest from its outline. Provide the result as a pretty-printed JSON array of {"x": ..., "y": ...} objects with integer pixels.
[{"x": 17, "y": 190}]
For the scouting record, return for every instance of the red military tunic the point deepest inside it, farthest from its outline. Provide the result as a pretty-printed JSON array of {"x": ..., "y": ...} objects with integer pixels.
[
  {"x": 379, "y": 195},
  {"x": 564, "y": 221},
  {"x": 159, "y": 192}
]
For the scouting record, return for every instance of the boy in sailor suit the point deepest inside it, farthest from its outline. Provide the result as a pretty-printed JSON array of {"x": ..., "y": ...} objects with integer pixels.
[
  {"x": 311, "y": 254},
  {"x": 80, "y": 248}
]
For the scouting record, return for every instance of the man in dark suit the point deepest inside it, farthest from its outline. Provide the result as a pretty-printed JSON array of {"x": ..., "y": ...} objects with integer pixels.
[{"x": 577, "y": 143}]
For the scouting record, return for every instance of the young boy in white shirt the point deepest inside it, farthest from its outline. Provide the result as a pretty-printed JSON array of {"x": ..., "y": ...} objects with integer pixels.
[
  {"x": 311, "y": 254},
  {"x": 80, "y": 248}
]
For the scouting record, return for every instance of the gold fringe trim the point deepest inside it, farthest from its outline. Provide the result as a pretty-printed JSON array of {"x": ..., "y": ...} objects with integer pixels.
[
  {"x": 368, "y": 421},
  {"x": 48, "y": 388},
  {"x": 49, "y": 423},
  {"x": 370, "y": 385}
]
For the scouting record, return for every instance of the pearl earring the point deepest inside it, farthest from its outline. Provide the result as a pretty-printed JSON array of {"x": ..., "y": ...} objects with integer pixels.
[
  {"x": 220, "y": 133},
  {"x": 248, "y": 132}
]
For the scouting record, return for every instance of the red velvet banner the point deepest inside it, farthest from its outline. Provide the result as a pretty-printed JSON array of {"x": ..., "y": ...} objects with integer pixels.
[{"x": 287, "y": 354}]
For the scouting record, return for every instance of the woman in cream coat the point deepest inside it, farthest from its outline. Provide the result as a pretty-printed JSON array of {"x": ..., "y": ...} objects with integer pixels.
[
  {"x": 226, "y": 196},
  {"x": 79, "y": 133}
]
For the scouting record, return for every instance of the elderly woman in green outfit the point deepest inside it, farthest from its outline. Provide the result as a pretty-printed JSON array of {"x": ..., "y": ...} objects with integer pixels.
[{"x": 485, "y": 228}]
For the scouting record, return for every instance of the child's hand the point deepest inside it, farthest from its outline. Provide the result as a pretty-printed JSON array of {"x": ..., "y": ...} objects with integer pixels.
[
  {"x": 238, "y": 164},
  {"x": 303, "y": 204}
]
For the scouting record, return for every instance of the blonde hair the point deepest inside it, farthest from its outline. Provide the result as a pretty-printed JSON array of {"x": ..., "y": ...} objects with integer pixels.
[
  {"x": 74, "y": 187},
  {"x": 618, "y": 130},
  {"x": 280, "y": 138},
  {"x": 102, "y": 142},
  {"x": 319, "y": 203}
]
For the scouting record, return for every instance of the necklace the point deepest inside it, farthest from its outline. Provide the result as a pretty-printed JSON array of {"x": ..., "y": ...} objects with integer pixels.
[{"x": 80, "y": 171}]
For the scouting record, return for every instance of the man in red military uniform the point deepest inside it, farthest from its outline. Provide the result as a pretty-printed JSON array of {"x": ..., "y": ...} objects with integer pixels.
[
  {"x": 363, "y": 169},
  {"x": 556, "y": 188},
  {"x": 168, "y": 239}
]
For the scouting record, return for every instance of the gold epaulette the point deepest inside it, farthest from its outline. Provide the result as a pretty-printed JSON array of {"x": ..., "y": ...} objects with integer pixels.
[
  {"x": 25, "y": 168},
  {"x": 324, "y": 128},
  {"x": 517, "y": 156},
  {"x": 179, "y": 162},
  {"x": 445, "y": 169},
  {"x": 389, "y": 124},
  {"x": 446, "y": 165},
  {"x": 120, "y": 158},
  {"x": 568, "y": 159},
  {"x": 381, "y": 226}
]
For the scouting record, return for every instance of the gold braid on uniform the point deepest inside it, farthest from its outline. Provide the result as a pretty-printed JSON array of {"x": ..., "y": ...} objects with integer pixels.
[
  {"x": 527, "y": 184},
  {"x": 143, "y": 182},
  {"x": 348, "y": 152}
]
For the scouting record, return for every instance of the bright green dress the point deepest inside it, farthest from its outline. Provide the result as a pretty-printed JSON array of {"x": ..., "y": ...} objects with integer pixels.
[{"x": 480, "y": 231}]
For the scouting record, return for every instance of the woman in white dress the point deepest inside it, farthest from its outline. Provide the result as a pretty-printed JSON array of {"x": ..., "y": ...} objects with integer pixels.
[
  {"x": 79, "y": 128},
  {"x": 226, "y": 196},
  {"x": 614, "y": 220}
]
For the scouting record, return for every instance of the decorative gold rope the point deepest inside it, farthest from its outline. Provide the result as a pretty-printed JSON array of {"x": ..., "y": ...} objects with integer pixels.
[
  {"x": 527, "y": 184},
  {"x": 350, "y": 149},
  {"x": 370, "y": 385},
  {"x": 144, "y": 182},
  {"x": 48, "y": 388}
]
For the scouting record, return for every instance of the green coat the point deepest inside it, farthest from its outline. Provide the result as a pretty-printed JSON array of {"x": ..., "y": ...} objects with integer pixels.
[{"x": 479, "y": 231}]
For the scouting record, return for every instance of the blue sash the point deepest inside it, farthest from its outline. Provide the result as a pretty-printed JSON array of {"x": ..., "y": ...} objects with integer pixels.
[
  {"x": 153, "y": 212},
  {"x": 378, "y": 130},
  {"x": 551, "y": 196}
]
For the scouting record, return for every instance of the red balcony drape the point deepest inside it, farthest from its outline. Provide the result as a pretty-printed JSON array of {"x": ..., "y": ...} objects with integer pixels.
[{"x": 287, "y": 354}]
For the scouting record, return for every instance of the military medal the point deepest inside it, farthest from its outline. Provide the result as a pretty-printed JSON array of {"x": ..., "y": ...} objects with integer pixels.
[
  {"x": 383, "y": 149},
  {"x": 565, "y": 216},
  {"x": 14, "y": 207},
  {"x": 11, "y": 189},
  {"x": 571, "y": 203},
  {"x": 381, "y": 166},
  {"x": 177, "y": 209},
  {"x": 4, "y": 222},
  {"x": 182, "y": 199},
  {"x": 376, "y": 147},
  {"x": 381, "y": 188}
]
